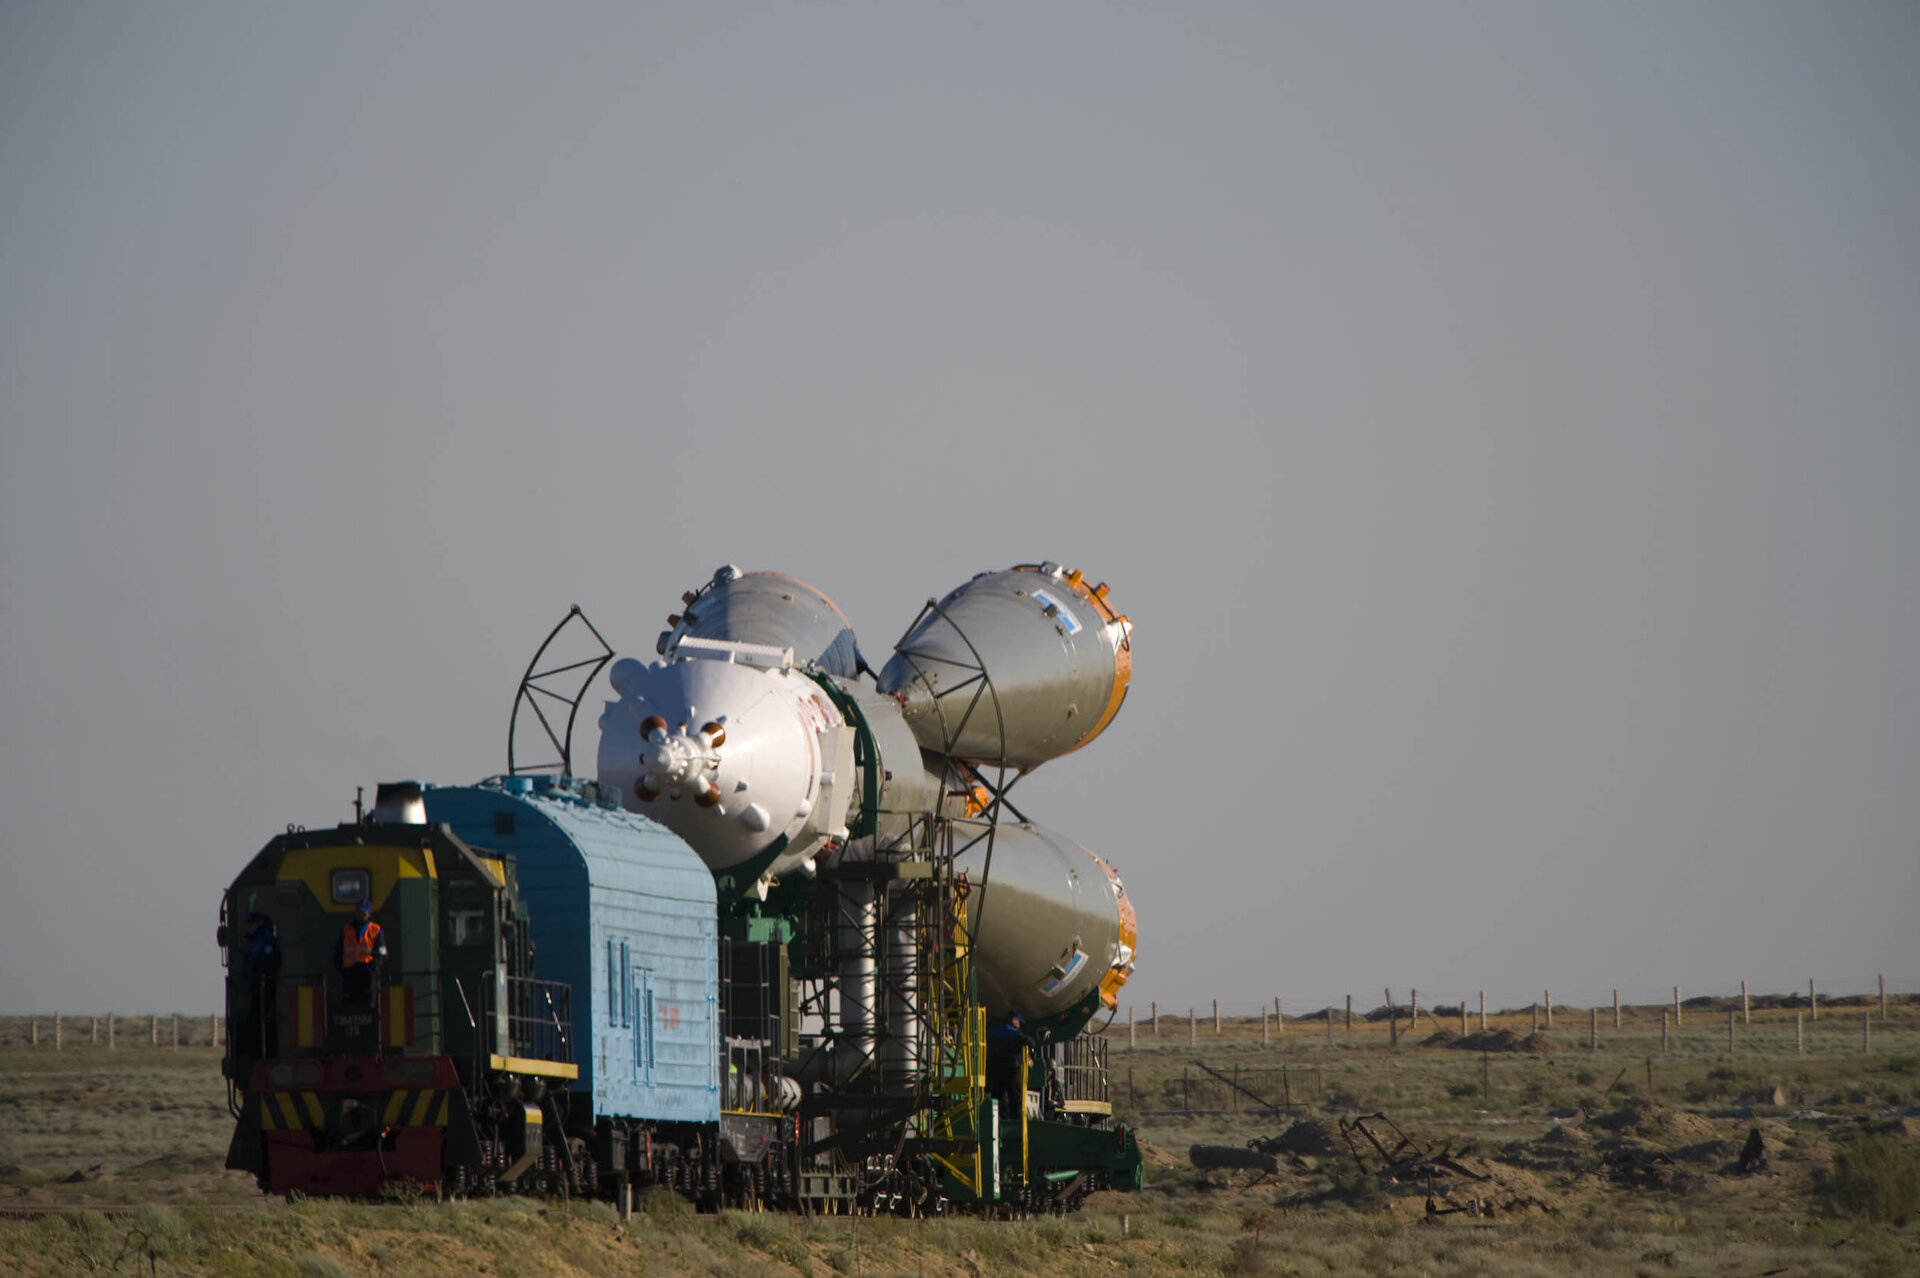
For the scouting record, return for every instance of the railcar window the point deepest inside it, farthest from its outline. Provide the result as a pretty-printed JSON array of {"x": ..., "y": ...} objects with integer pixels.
[{"x": 349, "y": 886}]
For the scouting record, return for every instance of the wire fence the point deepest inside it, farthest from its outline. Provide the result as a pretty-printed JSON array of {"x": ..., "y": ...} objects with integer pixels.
[
  {"x": 1813, "y": 1000},
  {"x": 113, "y": 1030}
]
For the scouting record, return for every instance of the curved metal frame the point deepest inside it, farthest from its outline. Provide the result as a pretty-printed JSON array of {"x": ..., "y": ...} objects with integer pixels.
[
  {"x": 997, "y": 789},
  {"x": 530, "y": 684}
]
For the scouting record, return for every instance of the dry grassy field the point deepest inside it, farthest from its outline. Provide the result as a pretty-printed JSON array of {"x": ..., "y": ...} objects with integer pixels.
[{"x": 1544, "y": 1157}]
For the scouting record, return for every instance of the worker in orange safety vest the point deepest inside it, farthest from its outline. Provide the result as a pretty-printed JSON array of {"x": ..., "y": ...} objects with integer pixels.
[{"x": 361, "y": 953}]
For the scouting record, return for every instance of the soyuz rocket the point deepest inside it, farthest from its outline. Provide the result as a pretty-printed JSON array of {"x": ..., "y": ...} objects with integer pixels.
[{"x": 760, "y": 735}]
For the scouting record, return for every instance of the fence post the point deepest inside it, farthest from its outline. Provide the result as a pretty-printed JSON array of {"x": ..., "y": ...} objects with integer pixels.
[
  {"x": 1393, "y": 1022},
  {"x": 1800, "y": 1033},
  {"x": 1593, "y": 1028},
  {"x": 56, "y": 1031},
  {"x": 34, "y": 1038},
  {"x": 1549, "y": 998},
  {"x": 176, "y": 1031},
  {"x": 1677, "y": 1020},
  {"x": 153, "y": 1029},
  {"x": 1663, "y": 1030},
  {"x": 110, "y": 1043},
  {"x": 1156, "y": 1019},
  {"x": 1616, "y": 1009},
  {"x": 1866, "y": 1030},
  {"x": 1193, "y": 1027},
  {"x": 1132, "y": 1039},
  {"x": 1463, "y": 1018},
  {"x": 1813, "y": 1002},
  {"x": 93, "y": 1030},
  {"x": 216, "y": 1029},
  {"x": 1535, "y": 1009},
  {"x": 1483, "y": 1011},
  {"x": 1746, "y": 1008},
  {"x": 1216, "y": 1016},
  {"x": 1349, "y": 1013},
  {"x": 1279, "y": 1021},
  {"x": 1413, "y": 1010}
]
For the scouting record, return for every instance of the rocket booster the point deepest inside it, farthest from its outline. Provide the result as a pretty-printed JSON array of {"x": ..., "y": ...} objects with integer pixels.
[
  {"x": 1056, "y": 655},
  {"x": 741, "y": 738}
]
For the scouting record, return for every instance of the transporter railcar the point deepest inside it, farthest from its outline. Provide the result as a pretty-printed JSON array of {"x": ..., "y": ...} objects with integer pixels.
[
  {"x": 754, "y": 961},
  {"x": 559, "y": 1014}
]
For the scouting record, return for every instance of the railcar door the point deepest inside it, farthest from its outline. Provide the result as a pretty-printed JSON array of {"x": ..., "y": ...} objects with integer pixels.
[{"x": 468, "y": 962}]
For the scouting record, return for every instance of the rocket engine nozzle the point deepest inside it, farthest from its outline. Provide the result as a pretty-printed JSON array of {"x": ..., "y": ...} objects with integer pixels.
[{"x": 768, "y": 771}]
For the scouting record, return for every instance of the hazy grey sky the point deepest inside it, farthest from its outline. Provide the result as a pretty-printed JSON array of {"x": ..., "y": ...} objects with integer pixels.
[{"x": 1502, "y": 423}]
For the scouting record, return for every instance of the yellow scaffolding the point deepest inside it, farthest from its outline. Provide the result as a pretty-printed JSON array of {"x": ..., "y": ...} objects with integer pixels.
[{"x": 957, "y": 1028}]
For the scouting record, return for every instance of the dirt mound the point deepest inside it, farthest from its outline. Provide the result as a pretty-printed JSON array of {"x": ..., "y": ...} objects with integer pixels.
[
  {"x": 1632, "y": 1163},
  {"x": 1314, "y": 1136},
  {"x": 1714, "y": 1152},
  {"x": 1514, "y": 1182},
  {"x": 1499, "y": 1040},
  {"x": 1659, "y": 1123},
  {"x": 1441, "y": 1038},
  {"x": 1154, "y": 1156},
  {"x": 1490, "y": 1189},
  {"x": 1561, "y": 1149},
  {"x": 1538, "y": 1042}
]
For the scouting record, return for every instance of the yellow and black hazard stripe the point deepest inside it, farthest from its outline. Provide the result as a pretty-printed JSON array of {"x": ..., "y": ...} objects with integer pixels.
[
  {"x": 291, "y": 1111},
  {"x": 301, "y": 1111},
  {"x": 427, "y": 1109}
]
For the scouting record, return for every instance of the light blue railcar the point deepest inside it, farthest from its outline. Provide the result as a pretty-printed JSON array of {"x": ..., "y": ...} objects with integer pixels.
[{"x": 623, "y": 912}]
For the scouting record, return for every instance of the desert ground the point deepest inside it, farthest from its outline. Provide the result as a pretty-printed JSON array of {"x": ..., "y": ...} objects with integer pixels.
[{"x": 1518, "y": 1150}]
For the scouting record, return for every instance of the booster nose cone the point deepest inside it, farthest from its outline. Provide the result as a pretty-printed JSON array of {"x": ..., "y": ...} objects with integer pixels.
[{"x": 1057, "y": 656}]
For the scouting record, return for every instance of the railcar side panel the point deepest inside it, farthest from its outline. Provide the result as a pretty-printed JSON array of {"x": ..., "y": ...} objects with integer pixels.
[{"x": 626, "y": 914}]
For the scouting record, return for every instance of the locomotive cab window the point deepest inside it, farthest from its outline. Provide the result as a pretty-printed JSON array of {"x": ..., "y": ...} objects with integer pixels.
[
  {"x": 350, "y": 886},
  {"x": 467, "y": 927}
]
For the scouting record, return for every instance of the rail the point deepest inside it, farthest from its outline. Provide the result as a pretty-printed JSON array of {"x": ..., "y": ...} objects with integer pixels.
[
  {"x": 539, "y": 1018},
  {"x": 1082, "y": 1066}
]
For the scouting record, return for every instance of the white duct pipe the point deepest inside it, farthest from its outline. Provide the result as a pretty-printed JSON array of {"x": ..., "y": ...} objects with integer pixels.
[{"x": 900, "y": 1050}]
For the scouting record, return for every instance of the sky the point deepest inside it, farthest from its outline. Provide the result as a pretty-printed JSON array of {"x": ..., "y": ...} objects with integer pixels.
[{"x": 1500, "y": 421}]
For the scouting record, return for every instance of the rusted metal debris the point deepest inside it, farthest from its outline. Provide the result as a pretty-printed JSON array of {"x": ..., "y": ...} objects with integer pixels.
[
  {"x": 1409, "y": 1160},
  {"x": 1233, "y": 1158},
  {"x": 1382, "y": 1150}
]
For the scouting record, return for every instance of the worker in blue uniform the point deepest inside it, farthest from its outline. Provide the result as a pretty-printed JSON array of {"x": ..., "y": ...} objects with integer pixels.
[
  {"x": 1004, "y": 1044},
  {"x": 260, "y": 967}
]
